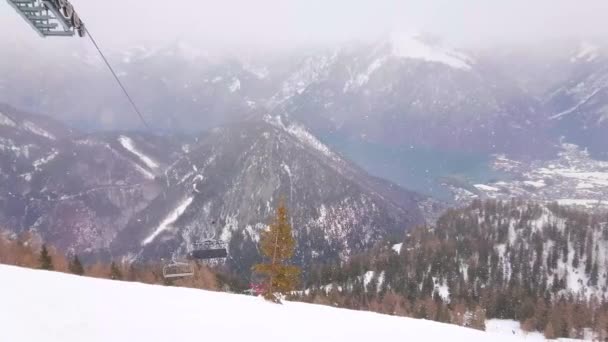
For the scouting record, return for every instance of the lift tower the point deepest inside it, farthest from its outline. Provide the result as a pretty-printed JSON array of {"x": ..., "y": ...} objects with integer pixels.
[{"x": 50, "y": 17}]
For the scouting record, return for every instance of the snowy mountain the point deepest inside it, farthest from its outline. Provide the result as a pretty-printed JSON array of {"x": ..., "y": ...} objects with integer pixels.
[
  {"x": 579, "y": 106},
  {"x": 75, "y": 190},
  {"x": 228, "y": 185},
  {"x": 403, "y": 89},
  {"x": 177, "y": 87},
  {"x": 408, "y": 91},
  {"x": 406, "y": 107},
  {"x": 76, "y": 312},
  {"x": 137, "y": 194}
]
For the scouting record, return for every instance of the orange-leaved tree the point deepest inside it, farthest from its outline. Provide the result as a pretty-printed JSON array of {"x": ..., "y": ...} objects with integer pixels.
[{"x": 277, "y": 246}]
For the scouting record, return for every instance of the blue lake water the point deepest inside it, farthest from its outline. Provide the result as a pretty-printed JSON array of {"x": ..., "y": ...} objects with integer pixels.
[{"x": 416, "y": 167}]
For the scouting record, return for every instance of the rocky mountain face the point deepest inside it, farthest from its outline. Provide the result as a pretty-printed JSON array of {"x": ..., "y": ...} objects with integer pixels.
[
  {"x": 75, "y": 190},
  {"x": 579, "y": 106},
  {"x": 228, "y": 184},
  {"x": 569, "y": 80},
  {"x": 406, "y": 91},
  {"x": 146, "y": 196}
]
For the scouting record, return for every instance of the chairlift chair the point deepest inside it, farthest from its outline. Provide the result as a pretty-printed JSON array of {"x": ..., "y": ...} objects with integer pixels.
[
  {"x": 205, "y": 250},
  {"x": 50, "y": 17},
  {"x": 208, "y": 249},
  {"x": 177, "y": 269}
]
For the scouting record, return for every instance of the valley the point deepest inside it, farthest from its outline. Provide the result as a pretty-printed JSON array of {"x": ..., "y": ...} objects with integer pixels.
[{"x": 573, "y": 178}]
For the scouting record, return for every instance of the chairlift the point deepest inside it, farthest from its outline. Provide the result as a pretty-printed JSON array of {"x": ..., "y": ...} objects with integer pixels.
[
  {"x": 177, "y": 269},
  {"x": 50, "y": 17},
  {"x": 205, "y": 250},
  {"x": 208, "y": 249}
]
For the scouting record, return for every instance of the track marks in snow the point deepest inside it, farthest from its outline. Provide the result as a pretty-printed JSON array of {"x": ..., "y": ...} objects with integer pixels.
[
  {"x": 169, "y": 220},
  {"x": 128, "y": 144}
]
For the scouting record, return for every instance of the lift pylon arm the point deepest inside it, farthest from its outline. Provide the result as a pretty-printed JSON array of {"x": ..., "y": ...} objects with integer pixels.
[{"x": 50, "y": 17}]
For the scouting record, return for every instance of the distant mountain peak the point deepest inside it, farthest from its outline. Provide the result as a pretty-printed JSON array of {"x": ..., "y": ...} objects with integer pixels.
[
  {"x": 301, "y": 134},
  {"x": 415, "y": 46},
  {"x": 587, "y": 52}
]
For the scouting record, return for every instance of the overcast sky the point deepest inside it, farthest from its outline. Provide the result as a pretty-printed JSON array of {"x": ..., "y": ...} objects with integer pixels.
[{"x": 296, "y": 22}]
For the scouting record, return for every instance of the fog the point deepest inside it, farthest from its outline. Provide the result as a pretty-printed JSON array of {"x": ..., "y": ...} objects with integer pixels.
[{"x": 290, "y": 23}]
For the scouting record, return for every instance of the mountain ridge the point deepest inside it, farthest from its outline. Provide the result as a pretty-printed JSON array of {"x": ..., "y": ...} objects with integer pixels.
[{"x": 107, "y": 193}]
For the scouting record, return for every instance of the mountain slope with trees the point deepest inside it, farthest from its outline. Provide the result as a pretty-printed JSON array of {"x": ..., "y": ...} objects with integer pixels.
[
  {"x": 115, "y": 194},
  {"x": 544, "y": 265}
]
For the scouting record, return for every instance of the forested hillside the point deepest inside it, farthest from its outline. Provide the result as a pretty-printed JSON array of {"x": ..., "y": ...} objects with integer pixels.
[{"x": 544, "y": 265}]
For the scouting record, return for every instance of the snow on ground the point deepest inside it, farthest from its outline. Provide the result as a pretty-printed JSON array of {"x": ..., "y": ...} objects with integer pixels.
[
  {"x": 573, "y": 178},
  {"x": 143, "y": 171},
  {"x": 587, "y": 51},
  {"x": 169, "y": 220},
  {"x": 38, "y": 163},
  {"x": 510, "y": 327},
  {"x": 364, "y": 77},
  {"x": 30, "y": 126},
  {"x": 397, "y": 248},
  {"x": 584, "y": 100},
  {"x": 259, "y": 72},
  {"x": 367, "y": 277},
  {"x": 313, "y": 69},
  {"x": 486, "y": 187},
  {"x": 587, "y": 203},
  {"x": 411, "y": 46},
  {"x": 49, "y": 306},
  {"x": 444, "y": 292},
  {"x": 301, "y": 134},
  {"x": 128, "y": 144},
  {"x": 594, "y": 178},
  {"x": 513, "y": 328},
  {"x": 6, "y": 121},
  {"x": 536, "y": 184},
  {"x": 234, "y": 85},
  {"x": 304, "y": 136}
]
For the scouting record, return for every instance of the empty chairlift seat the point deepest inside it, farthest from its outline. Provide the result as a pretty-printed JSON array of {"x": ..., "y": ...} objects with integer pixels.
[
  {"x": 178, "y": 270},
  {"x": 208, "y": 249}
]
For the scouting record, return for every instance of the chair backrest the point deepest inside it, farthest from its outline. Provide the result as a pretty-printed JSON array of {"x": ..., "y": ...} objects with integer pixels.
[
  {"x": 178, "y": 270},
  {"x": 203, "y": 254}
]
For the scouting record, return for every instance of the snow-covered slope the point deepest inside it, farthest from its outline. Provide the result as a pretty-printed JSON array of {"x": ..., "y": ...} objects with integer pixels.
[{"x": 47, "y": 306}]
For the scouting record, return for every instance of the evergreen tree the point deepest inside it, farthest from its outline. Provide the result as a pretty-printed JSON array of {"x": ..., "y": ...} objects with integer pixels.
[
  {"x": 76, "y": 266},
  {"x": 575, "y": 260},
  {"x": 277, "y": 246},
  {"x": 594, "y": 274},
  {"x": 588, "y": 263},
  {"x": 45, "y": 259},
  {"x": 115, "y": 272}
]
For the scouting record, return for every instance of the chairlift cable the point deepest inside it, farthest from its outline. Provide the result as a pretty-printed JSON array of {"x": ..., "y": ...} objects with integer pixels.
[
  {"x": 141, "y": 117},
  {"x": 40, "y": 13}
]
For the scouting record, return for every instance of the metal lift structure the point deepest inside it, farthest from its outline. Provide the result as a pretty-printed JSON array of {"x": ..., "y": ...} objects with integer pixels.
[
  {"x": 50, "y": 17},
  {"x": 58, "y": 18}
]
